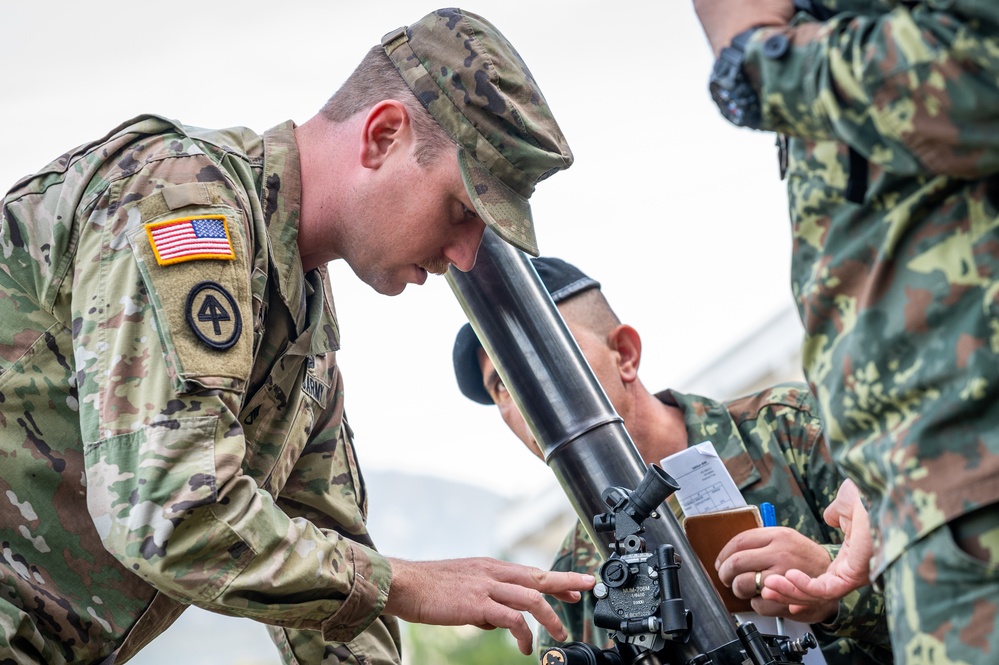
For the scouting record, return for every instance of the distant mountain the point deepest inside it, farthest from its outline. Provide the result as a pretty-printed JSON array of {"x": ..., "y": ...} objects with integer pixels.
[{"x": 422, "y": 517}]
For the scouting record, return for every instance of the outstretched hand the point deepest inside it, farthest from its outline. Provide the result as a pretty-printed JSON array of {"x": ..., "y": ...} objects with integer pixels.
[
  {"x": 848, "y": 571},
  {"x": 482, "y": 592}
]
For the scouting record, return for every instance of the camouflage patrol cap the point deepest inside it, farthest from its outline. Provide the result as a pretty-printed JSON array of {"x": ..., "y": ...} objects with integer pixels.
[
  {"x": 563, "y": 281},
  {"x": 474, "y": 83}
]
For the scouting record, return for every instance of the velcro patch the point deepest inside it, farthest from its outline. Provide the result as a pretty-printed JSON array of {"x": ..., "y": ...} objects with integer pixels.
[
  {"x": 189, "y": 239},
  {"x": 213, "y": 315}
]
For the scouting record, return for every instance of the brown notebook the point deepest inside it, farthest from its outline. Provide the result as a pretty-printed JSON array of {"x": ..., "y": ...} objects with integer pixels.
[{"x": 708, "y": 533}]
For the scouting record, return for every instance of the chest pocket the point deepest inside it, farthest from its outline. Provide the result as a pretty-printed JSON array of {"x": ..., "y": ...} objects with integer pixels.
[
  {"x": 276, "y": 422},
  {"x": 280, "y": 417}
]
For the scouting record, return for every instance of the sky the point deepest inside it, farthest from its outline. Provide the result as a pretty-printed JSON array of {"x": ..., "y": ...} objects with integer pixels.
[{"x": 680, "y": 216}]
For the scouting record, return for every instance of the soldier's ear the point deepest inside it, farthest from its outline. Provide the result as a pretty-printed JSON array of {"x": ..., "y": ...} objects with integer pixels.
[
  {"x": 626, "y": 341},
  {"x": 386, "y": 131}
]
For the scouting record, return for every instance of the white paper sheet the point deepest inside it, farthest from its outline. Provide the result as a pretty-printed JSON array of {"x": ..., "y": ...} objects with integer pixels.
[{"x": 705, "y": 484}]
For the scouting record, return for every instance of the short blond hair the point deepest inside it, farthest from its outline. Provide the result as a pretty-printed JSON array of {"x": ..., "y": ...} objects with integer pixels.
[{"x": 376, "y": 79}]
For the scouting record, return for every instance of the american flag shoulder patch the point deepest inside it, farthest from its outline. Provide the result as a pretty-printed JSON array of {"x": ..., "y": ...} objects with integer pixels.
[{"x": 190, "y": 239}]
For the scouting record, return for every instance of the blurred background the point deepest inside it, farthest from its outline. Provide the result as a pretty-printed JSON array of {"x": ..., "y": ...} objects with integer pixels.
[{"x": 679, "y": 215}]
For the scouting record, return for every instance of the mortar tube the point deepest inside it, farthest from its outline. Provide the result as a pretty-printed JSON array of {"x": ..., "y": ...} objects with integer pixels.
[{"x": 581, "y": 436}]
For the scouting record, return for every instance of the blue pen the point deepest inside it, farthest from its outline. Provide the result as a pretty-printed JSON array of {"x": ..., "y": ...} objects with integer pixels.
[{"x": 769, "y": 516}]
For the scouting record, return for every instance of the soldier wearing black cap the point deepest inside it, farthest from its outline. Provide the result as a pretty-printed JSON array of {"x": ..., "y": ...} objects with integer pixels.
[{"x": 772, "y": 443}]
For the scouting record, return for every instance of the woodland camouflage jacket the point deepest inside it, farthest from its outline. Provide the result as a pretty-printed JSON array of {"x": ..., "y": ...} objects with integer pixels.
[{"x": 893, "y": 186}]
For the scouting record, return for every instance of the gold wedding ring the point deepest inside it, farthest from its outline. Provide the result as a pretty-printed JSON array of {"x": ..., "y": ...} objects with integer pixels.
[{"x": 759, "y": 582}]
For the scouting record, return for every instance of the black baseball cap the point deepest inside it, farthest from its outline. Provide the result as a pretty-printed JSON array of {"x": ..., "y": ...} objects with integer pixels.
[{"x": 563, "y": 281}]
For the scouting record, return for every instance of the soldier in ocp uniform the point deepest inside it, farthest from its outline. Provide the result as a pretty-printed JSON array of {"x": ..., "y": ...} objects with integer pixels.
[
  {"x": 890, "y": 146},
  {"x": 771, "y": 442},
  {"x": 171, "y": 410}
]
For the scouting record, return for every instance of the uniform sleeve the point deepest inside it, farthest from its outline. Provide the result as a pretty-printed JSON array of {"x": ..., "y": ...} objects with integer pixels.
[
  {"x": 159, "y": 405},
  {"x": 912, "y": 90},
  {"x": 861, "y": 615},
  {"x": 377, "y": 645},
  {"x": 325, "y": 488}
]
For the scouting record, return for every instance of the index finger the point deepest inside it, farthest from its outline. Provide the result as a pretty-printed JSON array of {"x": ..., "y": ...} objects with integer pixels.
[{"x": 551, "y": 582}]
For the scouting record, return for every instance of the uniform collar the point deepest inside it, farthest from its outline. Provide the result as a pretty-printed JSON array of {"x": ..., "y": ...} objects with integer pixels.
[
  {"x": 281, "y": 198},
  {"x": 708, "y": 420}
]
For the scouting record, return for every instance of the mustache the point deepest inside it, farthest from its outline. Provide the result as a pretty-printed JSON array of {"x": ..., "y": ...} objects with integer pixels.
[{"x": 435, "y": 266}]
